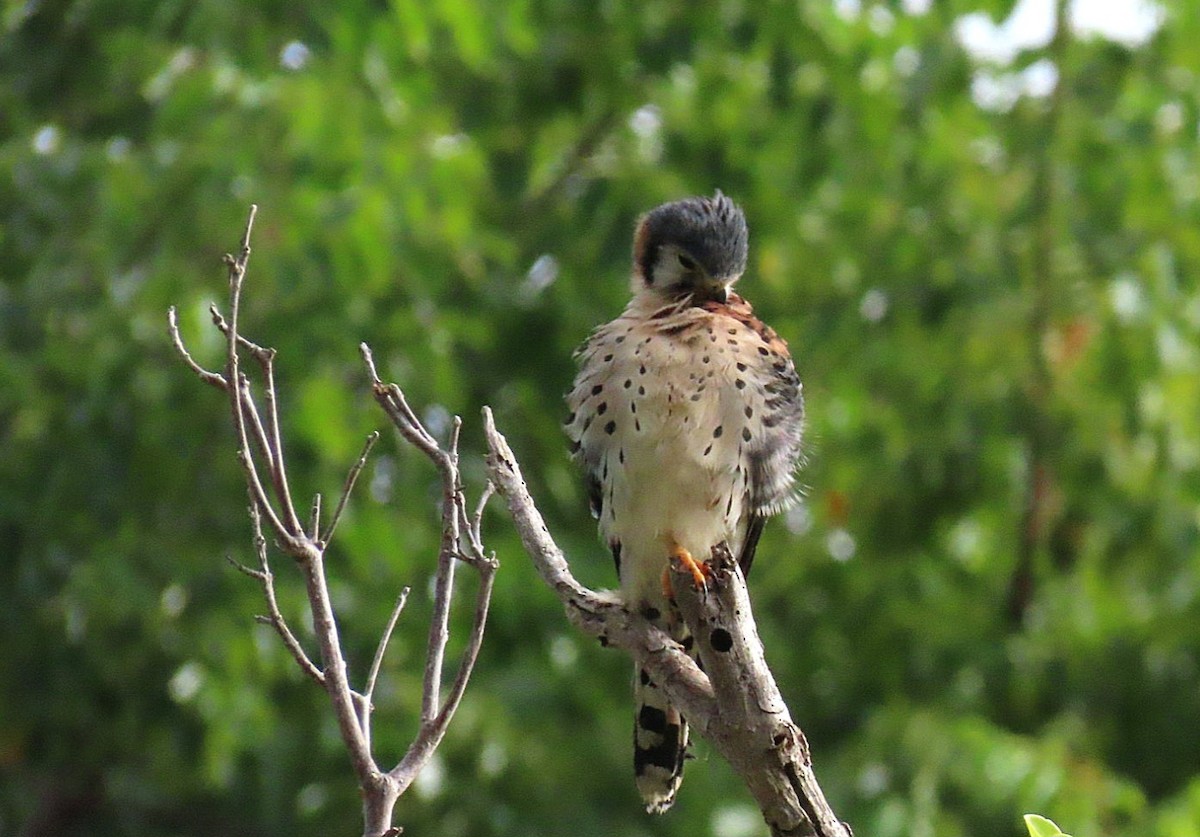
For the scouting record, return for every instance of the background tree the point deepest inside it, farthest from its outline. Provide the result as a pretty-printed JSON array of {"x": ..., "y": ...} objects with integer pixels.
[{"x": 980, "y": 244}]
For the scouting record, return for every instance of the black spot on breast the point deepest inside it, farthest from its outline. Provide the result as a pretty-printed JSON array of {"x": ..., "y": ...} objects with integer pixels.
[
  {"x": 610, "y": 428},
  {"x": 628, "y": 383},
  {"x": 597, "y": 389},
  {"x": 741, "y": 367},
  {"x": 642, "y": 369},
  {"x": 602, "y": 409},
  {"x": 739, "y": 383},
  {"x": 620, "y": 338},
  {"x": 749, "y": 411},
  {"x": 696, "y": 396},
  {"x": 607, "y": 358},
  {"x": 762, "y": 350},
  {"x": 621, "y": 456},
  {"x": 746, "y": 434},
  {"x": 705, "y": 359},
  {"x": 637, "y": 425},
  {"x": 708, "y": 450},
  {"x": 644, "y": 677},
  {"x": 641, "y": 390},
  {"x": 570, "y": 419},
  {"x": 633, "y": 406},
  {"x": 717, "y": 433}
]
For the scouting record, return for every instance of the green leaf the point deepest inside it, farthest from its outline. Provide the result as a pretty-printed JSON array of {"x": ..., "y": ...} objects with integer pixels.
[{"x": 1039, "y": 826}]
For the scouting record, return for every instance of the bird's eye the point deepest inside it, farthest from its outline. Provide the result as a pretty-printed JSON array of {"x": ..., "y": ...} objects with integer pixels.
[{"x": 686, "y": 262}]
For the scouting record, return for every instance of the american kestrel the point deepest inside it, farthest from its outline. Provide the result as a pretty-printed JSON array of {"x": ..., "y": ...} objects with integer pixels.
[{"x": 686, "y": 416}]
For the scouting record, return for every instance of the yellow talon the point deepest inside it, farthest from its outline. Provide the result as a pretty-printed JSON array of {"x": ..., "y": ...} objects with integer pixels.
[{"x": 700, "y": 571}]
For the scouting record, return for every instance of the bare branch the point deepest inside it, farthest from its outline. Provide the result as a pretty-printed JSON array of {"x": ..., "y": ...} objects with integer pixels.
[
  {"x": 476, "y": 527},
  {"x": 314, "y": 518},
  {"x": 283, "y": 491},
  {"x": 369, "y": 692},
  {"x": 274, "y": 616},
  {"x": 256, "y": 351},
  {"x": 351, "y": 479},
  {"x": 456, "y": 524},
  {"x": 432, "y": 731},
  {"x": 352, "y": 710},
  {"x": 443, "y": 589},
  {"x": 211, "y": 378},
  {"x": 391, "y": 398},
  {"x": 487, "y": 576}
]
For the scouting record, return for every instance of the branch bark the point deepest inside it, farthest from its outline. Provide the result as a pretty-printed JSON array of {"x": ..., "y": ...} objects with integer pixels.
[{"x": 736, "y": 705}]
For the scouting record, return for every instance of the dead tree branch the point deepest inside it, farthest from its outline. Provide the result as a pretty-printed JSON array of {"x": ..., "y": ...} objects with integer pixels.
[
  {"x": 736, "y": 705},
  {"x": 261, "y": 456}
]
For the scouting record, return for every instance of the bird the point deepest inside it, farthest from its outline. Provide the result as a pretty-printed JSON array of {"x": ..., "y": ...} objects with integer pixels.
[{"x": 686, "y": 417}]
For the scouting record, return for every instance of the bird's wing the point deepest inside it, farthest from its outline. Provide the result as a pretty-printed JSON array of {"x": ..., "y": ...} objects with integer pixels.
[{"x": 773, "y": 453}]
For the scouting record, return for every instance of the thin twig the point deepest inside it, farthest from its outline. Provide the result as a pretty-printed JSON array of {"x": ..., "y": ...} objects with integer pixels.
[
  {"x": 487, "y": 577},
  {"x": 239, "y": 394},
  {"x": 283, "y": 490},
  {"x": 476, "y": 526},
  {"x": 351, "y": 479},
  {"x": 222, "y": 325},
  {"x": 274, "y": 616},
  {"x": 212, "y": 378},
  {"x": 314, "y": 518},
  {"x": 377, "y": 662},
  {"x": 443, "y": 592}
]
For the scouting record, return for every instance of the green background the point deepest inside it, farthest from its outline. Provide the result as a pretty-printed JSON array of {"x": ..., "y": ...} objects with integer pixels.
[{"x": 989, "y": 600}]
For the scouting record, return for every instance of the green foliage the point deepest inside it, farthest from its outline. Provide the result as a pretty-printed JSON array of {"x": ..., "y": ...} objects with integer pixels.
[{"x": 989, "y": 599}]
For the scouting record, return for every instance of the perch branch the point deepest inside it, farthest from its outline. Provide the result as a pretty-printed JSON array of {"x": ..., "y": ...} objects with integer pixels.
[{"x": 736, "y": 706}]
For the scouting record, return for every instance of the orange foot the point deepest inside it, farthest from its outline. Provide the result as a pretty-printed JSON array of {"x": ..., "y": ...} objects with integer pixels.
[{"x": 700, "y": 571}]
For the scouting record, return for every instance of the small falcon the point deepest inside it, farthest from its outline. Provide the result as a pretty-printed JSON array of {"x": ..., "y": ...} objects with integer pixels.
[{"x": 686, "y": 417}]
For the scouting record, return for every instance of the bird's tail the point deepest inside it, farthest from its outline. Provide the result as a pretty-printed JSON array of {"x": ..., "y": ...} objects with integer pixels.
[{"x": 660, "y": 737}]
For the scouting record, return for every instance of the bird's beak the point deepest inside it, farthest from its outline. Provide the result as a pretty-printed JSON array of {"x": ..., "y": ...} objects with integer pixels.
[{"x": 715, "y": 291}]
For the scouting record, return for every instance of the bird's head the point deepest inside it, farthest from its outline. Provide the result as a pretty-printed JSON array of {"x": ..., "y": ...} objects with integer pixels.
[{"x": 694, "y": 248}]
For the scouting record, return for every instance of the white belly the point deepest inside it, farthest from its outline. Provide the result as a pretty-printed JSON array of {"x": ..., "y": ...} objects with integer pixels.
[{"x": 674, "y": 471}]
